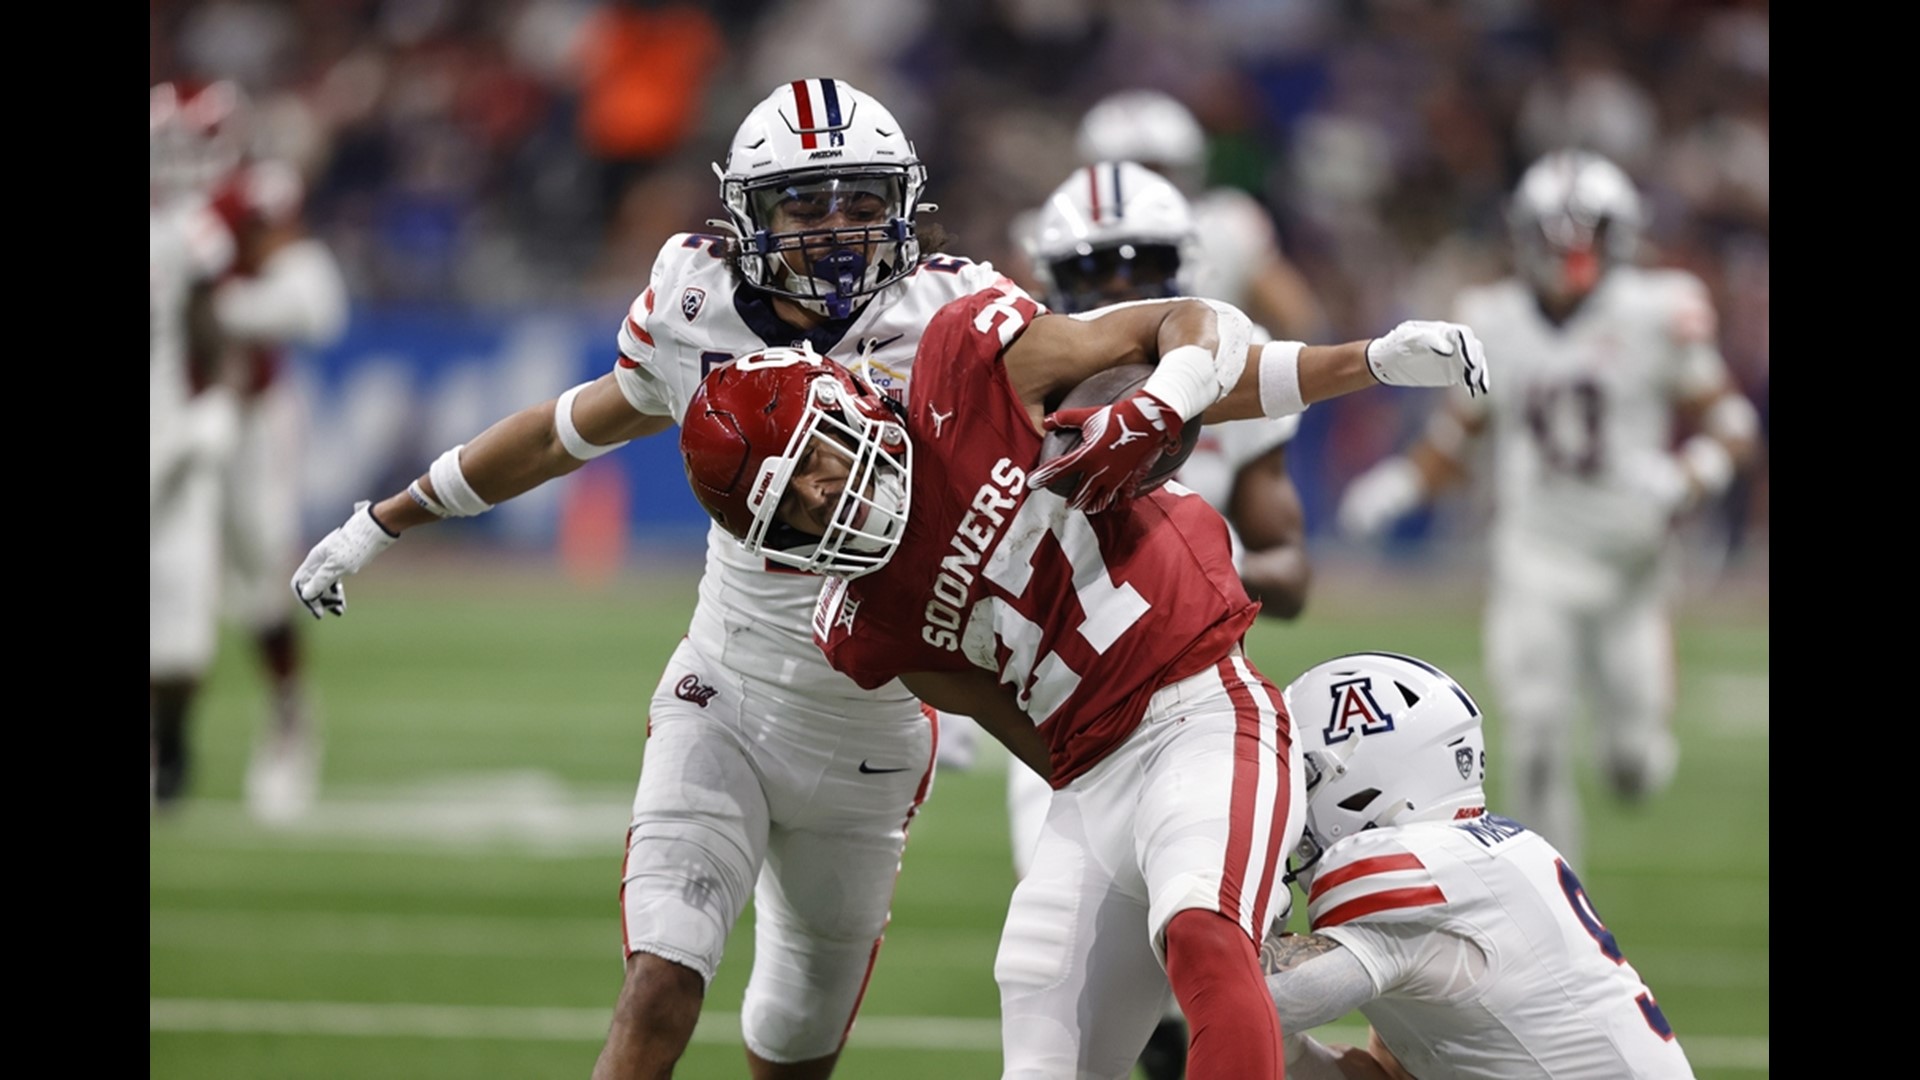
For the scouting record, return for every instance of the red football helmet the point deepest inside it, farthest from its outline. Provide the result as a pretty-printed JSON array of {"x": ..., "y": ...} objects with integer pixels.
[
  {"x": 745, "y": 432},
  {"x": 198, "y": 135}
]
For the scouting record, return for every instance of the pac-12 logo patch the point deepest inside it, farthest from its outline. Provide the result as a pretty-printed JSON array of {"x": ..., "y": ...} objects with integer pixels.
[
  {"x": 692, "y": 300},
  {"x": 1463, "y": 758}
]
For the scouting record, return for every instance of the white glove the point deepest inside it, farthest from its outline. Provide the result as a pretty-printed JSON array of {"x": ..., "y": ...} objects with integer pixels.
[
  {"x": 1379, "y": 497},
  {"x": 343, "y": 551},
  {"x": 213, "y": 424},
  {"x": 1429, "y": 354},
  {"x": 1658, "y": 479}
]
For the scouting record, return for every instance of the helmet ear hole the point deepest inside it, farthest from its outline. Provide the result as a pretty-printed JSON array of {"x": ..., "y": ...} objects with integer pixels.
[{"x": 1359, "y": 800}]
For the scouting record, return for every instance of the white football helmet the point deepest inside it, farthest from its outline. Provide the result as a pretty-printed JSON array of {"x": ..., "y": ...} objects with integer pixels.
[
  {"x": 1112, "y": 231},
  {"x": 1386, "y": 740},
  {"x": 1148, "y": 126},
  {"x": 820, "y": 173},
  {"x": 199, "y": 134},
  {"x": 1573, "y": 215}
]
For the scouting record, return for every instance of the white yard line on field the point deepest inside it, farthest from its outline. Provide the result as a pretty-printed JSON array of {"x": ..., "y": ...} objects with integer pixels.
[{"x": 340, "y": 1019}]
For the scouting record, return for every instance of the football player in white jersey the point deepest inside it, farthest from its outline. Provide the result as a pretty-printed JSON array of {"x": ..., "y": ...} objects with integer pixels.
[
  {"x": 1239, "y": 260},
  {"x": 1464, "y": 938},
  {"x": 767, "y": 773},
  {"x": 1114, "y": 232},
  {"x": 192, "y": 420},
  {"x": 1603, "y": 361}
]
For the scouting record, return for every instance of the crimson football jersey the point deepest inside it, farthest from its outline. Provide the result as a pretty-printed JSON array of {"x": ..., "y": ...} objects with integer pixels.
[{"x": 1083, "y": 616}]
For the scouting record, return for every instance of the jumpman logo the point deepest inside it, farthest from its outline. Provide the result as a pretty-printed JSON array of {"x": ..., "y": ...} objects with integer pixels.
[
  {"x": 939, "y": 419},
  {"x": 1127, "y": 434}
]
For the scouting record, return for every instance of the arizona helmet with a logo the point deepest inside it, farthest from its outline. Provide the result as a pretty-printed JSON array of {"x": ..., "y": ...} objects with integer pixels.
[
  {"x": 199, "y": 135},
  {"x": 1573, "y": 215},
  {"x": 748, "y": 428},
  {"x": 1148, "y": 126},
  {"x": 820, "y": 175},
  {"x": 1112, "y": 231},
  {"x": 1386, "y": 740}
]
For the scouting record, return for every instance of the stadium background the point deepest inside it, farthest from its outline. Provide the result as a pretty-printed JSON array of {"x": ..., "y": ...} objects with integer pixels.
[{"x": 496, "y": 178}]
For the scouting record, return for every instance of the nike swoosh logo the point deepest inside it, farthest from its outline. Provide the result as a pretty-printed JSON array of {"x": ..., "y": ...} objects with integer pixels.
[
  {"x": 875, "y": 345},
  {"x": 871, "y": 771}
]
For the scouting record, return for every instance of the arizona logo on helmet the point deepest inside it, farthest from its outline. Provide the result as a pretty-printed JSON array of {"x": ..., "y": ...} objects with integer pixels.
[{"x": 1353, "y": 701}]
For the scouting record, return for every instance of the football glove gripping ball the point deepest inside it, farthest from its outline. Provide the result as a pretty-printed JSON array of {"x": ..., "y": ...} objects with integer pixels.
[{"x": 1119, "y": 444}]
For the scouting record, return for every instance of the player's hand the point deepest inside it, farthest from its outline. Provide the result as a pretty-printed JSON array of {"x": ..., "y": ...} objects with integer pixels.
[
  {"x": 1420, "y": 353},
  {"x": 1379, "y": 497},
  {"x": 1118, "y": 446},
  {"x": 343, "y": 551},
  {"x": 1660, "y": 479}
]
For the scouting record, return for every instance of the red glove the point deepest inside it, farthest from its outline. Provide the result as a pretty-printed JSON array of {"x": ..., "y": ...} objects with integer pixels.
[{"x": 1119, "y": 444}]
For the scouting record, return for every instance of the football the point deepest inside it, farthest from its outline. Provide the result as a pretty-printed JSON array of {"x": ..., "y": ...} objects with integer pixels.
[{"x": 1105, "y": 388}]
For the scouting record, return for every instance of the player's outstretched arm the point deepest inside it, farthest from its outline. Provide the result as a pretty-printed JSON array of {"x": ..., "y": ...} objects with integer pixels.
[
  {"x": 1282, "y": 378},
  {"x": 514, "y": 456}
]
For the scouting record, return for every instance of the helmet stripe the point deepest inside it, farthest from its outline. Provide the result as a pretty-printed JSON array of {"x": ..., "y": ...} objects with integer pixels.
[
  {"x": 1119, "y": 203},
  {"x": 804, "y": 104},
  {"x": 830, "y": 97},
  {"x": 1093, "y": 189}
]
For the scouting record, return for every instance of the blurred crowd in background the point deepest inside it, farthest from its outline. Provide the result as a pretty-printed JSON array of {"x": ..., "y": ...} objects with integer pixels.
[{"x": 512, "y": 154}]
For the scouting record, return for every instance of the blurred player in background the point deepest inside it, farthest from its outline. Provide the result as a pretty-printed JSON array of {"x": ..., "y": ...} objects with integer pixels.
[
  {"x": 1114, "y": 232},
  {"x": 1464, "y": 938},
  {"x": 1096, "y": 633},
  {"x": 767, "y": 773},
  {"x": 192, "y": 418},
  {"x": 1239, "y": 258},
  {"x": 1601, "y": 361},
  {"x": 284, "y": 291}
]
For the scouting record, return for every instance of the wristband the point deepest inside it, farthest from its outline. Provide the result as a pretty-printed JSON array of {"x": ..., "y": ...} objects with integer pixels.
[{"x": 1280, "y": 379}]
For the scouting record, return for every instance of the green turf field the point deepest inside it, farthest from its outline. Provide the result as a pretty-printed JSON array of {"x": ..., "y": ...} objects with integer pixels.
[{"x": 449, "y": 910}]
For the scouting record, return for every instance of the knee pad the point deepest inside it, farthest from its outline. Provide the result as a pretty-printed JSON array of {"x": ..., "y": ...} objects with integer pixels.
[{"x": 683, "y": 887}]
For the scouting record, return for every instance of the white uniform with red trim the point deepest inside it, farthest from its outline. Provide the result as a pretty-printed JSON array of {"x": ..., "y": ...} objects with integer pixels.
[
  {"x": 767, "y": 773},
  {"x": 1177, "y": 780},
  {"x": 1488, "y": 958},
  {"x": 1579, "y": 567},
  {"x": 190, "y": 436}
]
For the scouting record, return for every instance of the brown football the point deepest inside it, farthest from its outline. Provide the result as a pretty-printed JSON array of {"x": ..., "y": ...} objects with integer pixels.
[{"x": 1105, "y": 388}]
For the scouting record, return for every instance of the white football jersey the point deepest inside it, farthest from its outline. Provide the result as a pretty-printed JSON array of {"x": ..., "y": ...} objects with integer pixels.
[
  {"x": 1234, "y": 235},
  {"x": 1584, "y": 407},
  {"x": 693, "y": 317},
  {"x": 1489, "y": 959}
]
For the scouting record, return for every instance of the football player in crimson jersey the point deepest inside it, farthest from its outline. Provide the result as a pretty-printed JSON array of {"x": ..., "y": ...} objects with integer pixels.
[
  {"x": 1117, "y": 231},
  {"x": 192, "y": 417},
  {"x": 1465, "y": 939},
  {"x": 768, "y": 775},
  {"x": 284, "y": 291},
  {"x": 1610, "y": 363},
  {"x": 1097, "y": 634}
]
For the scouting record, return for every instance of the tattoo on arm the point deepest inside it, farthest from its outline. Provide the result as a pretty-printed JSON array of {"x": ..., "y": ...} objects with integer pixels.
[{"x": 1292, "y": 950}]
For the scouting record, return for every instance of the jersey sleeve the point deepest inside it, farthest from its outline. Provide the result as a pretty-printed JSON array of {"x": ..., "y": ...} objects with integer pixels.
[
  {"x": 835, "y": 613},
  {"x": 1692, "y": 328},
  {"x": 1373, "y": 878},
  {"x": 637, "y": 371}
]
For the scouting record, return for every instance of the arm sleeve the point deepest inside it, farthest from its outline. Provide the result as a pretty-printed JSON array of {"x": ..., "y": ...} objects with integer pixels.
[{"x": 1325, "y": 988}]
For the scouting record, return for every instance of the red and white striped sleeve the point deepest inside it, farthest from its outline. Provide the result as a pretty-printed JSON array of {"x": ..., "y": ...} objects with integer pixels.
[{"x": 1377, "y": 879}]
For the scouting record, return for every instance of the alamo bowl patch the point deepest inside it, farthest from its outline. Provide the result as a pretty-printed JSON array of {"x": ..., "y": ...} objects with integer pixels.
[{"x": 692, "y": 301}]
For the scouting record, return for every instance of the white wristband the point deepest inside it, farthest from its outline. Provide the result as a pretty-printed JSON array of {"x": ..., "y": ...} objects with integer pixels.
[
  {"x": 1709, "y": 462},
  {"x": 1280, "y": 379},
  {"x": 570, "y": 436},
  {"x": 451, "y": 487}
]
